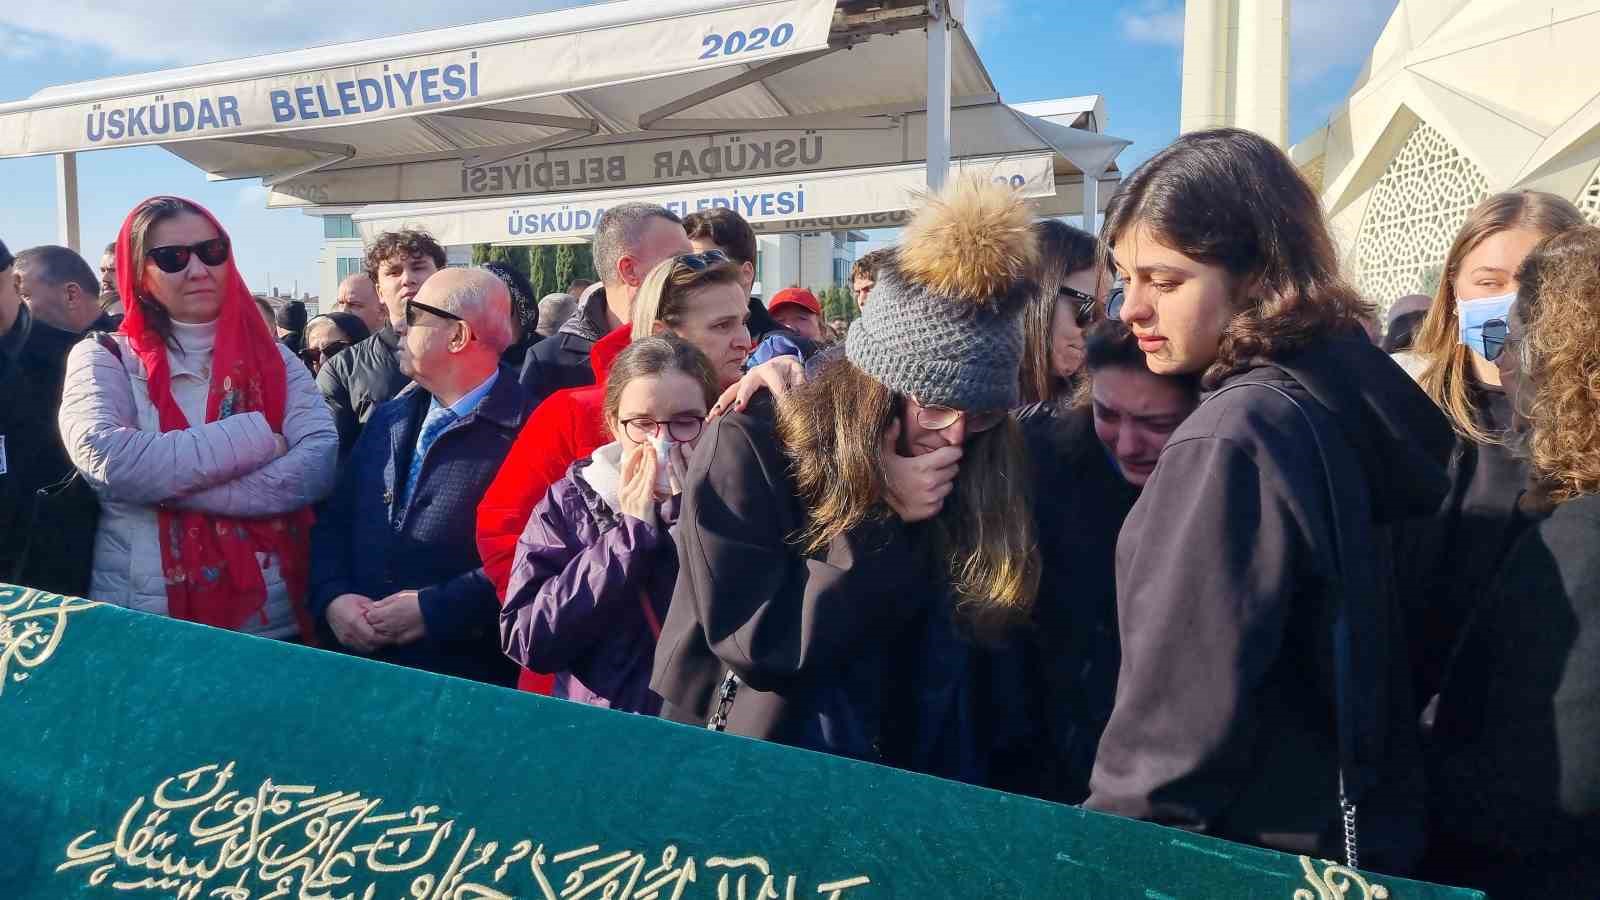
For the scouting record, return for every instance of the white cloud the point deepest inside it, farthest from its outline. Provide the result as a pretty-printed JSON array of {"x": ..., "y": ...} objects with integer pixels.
[
  {"x": 983, "y": 16},
  {"x": 1322, "y": 35},
  {"x": 189, "y": 31},
  {"x": 1154, "y": 22}
]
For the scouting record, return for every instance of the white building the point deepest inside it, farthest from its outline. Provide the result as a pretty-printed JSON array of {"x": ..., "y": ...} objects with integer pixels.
[
  {"x": 1236, "y": 67},
  {"x": 1460, "y": 99}
]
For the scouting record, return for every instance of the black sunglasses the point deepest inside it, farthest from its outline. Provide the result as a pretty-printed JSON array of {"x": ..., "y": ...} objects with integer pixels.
[
  {"x": 315, "y": 357},
  {"x": 1084, "y": 314},
  {"x": 411, "y": 312},
  {"x": 175, "y": 259},
  {"x": 699, "y": 262},
  {"x": 1114, "y": 303}
]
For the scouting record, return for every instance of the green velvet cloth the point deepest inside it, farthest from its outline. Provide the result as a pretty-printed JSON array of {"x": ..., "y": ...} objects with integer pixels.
[{"x": 146, "y": 757}]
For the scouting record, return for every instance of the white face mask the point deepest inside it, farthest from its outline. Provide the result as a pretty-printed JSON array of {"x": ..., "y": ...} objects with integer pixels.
[{"x": 1472, "y": 315}]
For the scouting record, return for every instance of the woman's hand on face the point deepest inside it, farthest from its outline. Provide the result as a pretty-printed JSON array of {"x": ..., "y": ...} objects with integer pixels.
[
  {"x": 779, "y": 375},
  {"x": 915, "y": 487},
  {"x": 637, "y": 495}
]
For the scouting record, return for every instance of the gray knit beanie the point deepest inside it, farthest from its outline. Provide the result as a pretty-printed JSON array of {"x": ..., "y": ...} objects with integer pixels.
[{"x": 943, "y": 323}]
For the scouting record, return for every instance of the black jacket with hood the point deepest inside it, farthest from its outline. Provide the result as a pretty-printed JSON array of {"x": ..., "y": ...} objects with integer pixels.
[
  {"x": 562, "y": 359},
  {"x": 359, "y": 380},
  {"x": 1227, "y": 590}
]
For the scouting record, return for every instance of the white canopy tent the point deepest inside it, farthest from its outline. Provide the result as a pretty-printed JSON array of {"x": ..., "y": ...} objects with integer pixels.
[{"x": 634, "y": 92}]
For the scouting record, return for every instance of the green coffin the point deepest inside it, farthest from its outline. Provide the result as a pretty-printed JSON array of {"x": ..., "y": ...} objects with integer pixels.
[{"x": 146, "y": 757}]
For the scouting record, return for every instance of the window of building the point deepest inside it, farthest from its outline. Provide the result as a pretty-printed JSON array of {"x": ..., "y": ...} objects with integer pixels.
[
  {"x": 841, "y": 271},
  {"x": 338, "y": 227},
  {"x": 348, "y": 265}
]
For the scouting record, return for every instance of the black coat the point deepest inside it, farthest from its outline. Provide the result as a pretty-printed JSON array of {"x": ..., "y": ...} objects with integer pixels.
[
  {"x": 852, "y": 650},
  {"x": 359, "y": 380},
  {"x": 33, "y": 366},
  {"x": 1515, "y": 750},
  {"x": 1080, "y": 502},
  {"x": 1446, "y": 560},
  {"x": 1225, "y": 720},
  {"x": 562, "y": 359}
]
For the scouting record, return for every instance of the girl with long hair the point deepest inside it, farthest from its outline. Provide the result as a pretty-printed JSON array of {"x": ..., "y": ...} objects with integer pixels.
[
  {"x": 821, "y": 604},
  {"x": 1259, "y": 543},
  {"x": 1514, "y": 775},
  {"x": 1072, "y": 281},
  {"x": 205, "y": 438},
  {"x": 596, "y": 564},
  {"x": 1447, "y": 558}
]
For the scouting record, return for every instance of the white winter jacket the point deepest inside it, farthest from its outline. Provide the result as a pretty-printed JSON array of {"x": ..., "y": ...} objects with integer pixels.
[{"x": 229, "y": 467}]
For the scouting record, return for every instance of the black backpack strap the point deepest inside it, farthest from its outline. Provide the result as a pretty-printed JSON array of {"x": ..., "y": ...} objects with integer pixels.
[
  {"x": 104, "y": 339},
  {"x": 1355, "y": 774}
]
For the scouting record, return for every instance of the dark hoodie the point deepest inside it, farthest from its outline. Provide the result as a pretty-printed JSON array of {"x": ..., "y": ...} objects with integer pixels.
[{"x": 1225, "y": 720}]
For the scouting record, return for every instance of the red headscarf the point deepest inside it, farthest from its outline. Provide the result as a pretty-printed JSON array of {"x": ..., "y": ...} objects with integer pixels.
[{"x": 209, "y": 561}]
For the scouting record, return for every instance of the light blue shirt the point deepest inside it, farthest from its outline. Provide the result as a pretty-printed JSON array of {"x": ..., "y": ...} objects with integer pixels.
[{"x": 438, "y": 419}]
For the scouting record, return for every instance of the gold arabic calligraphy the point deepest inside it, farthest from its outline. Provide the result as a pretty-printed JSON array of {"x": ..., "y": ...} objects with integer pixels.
[
  {"x": 291, "y": 840},
  {"x": 32, "y": 623}
]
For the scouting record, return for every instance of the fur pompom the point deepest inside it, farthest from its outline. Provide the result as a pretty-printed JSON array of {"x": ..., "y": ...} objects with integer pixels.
[{"x": 971, "y": 242}]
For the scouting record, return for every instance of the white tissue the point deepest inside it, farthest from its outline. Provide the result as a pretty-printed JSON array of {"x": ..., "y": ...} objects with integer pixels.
[{"x": 663, "y": 446}]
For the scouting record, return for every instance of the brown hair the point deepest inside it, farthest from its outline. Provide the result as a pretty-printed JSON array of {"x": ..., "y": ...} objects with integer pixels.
[
  {"x": 868, "y": 265},
  {"x": 1064, "y": 251},
  {"x": 1448, "y": 373},
  {"x": 725, "y": 228},
  {"x": 146, "y": 216},
  {"x": 664, "y": 294},
  {"x": 406, "y": 243},
  {"x": 654, "y": 356},
  {"x": 832, "y": 429},
  {"x": 1558, "y": 301},
  {"x": 1230, "y": 198}
]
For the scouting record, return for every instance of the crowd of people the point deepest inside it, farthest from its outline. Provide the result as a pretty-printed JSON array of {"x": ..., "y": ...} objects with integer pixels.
[{"x": 1143, "y": 521}]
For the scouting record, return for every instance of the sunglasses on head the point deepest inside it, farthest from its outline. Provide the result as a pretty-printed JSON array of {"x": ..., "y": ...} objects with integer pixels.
[
  {"x": 175, "y": 258},
  {"x": 411, "y": 312},
  {"x": 699, "y": 262},
  {"x": 1084, "y": 312}
]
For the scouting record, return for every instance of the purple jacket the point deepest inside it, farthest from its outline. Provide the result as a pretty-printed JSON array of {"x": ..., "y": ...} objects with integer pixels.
[{"x": 584, "y": 577}]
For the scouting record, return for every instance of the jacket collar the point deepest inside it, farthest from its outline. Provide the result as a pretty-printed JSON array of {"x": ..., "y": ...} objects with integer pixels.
[
  {"x": 388, "y": 337},
  {"x": 590, "y": 320},
  {"x": 504, "y": 405}
]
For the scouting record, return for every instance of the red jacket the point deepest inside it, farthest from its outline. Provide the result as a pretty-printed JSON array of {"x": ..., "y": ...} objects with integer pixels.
[{"x": 568, "y": 426}]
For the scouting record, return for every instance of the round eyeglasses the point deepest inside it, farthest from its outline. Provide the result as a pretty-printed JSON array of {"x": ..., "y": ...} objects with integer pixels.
[{"x": 938, "y": 418}]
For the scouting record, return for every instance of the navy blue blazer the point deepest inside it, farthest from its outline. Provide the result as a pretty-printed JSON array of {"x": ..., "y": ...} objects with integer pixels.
[{"x": 366, "y": 542}]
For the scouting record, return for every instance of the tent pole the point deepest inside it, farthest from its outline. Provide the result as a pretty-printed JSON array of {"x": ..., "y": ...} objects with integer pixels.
[
  {"x": 1091, "y": 202},
  {"x": 67, "y": 200},
  {"x": 939, "y": 24}
]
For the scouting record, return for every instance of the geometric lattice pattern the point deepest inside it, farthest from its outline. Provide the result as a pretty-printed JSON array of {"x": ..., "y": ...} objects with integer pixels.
[
  {"x": 1417, "y": 207},
  {"x": 1589, "y": 200}
]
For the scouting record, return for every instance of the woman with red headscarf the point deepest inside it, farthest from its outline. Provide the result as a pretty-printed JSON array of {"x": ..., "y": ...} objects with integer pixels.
[{"x": 206, "y": 440}]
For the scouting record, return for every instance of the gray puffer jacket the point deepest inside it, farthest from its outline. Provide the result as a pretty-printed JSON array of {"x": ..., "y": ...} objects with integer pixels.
[{"x": 229, "y": 467}]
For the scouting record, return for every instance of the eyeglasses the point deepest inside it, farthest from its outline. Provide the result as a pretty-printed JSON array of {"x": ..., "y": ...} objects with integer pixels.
[
  {"x": 699, "y": 262},
  {"x": 1114, "y": 303},
  {"x": 411, "y": 312},
  {"x": 314, "y": 357},
  {"x": 175, "y": 259},
  {"x": 938, "y": 418},
  {"x": 682, "y": 429},
  {"x": 1084, "y": 314}
]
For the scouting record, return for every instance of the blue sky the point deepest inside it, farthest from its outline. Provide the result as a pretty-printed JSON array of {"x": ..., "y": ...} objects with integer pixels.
[{"x": 1128, "y": 50}]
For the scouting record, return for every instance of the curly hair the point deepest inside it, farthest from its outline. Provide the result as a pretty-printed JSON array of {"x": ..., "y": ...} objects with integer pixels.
[
  {"x": 1230, "y": 198},
  {"x": 1558, "y": 301},
  {"x": 406, "y": 243},
  {"x": 1448, "y": 372},
  {"x": 832, "y": 428}
]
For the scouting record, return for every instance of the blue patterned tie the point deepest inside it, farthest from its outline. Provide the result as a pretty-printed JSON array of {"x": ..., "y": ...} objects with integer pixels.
[{"x": 437, "y": 420}]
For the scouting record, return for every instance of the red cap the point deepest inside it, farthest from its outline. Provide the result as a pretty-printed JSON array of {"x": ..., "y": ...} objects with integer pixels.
[{"x": 795, "y": 296}]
